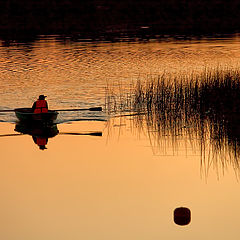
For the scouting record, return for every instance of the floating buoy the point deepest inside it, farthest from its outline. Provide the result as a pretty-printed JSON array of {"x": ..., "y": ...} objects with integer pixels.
[{"x": 182, "y": 216}]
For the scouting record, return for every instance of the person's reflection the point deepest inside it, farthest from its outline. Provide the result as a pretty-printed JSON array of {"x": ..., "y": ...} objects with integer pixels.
[
  {"x": 40, "y": 141},
  {"x": 182, "y": 216},
  {"x": 40, "y": 133}
]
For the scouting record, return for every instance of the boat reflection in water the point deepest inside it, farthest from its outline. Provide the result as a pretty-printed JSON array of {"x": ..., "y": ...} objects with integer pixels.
[
  {"x": 42, "y": 131},
  {"x": 39, "y": 132}
]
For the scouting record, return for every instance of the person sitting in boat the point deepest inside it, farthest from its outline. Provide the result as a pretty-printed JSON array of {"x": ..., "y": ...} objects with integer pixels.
[{"x": 41, "y": 105}]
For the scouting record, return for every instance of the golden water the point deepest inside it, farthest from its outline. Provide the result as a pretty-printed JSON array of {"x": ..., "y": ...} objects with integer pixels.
[
  {"x": 125, "y": 184},
  {"x": 112, "y": 186}
]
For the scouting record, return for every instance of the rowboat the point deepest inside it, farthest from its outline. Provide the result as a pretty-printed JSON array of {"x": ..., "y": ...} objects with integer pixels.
[{"x": 26, "y": 115}]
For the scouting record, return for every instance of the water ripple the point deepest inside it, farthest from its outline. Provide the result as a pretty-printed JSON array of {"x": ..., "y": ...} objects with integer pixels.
[{"x": 76, "y": 74}]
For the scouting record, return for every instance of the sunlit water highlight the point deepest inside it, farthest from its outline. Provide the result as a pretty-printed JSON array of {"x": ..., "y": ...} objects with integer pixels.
[{"x": 75, "y": 74}]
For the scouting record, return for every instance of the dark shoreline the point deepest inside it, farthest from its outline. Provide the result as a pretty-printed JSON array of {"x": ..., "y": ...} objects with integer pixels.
[
  {"x": 110, "y": 20},
  {"x": 28, "y": 37}
]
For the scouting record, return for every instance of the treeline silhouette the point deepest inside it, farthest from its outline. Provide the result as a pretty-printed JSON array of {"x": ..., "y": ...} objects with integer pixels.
[{"x": 110, "y": 17}]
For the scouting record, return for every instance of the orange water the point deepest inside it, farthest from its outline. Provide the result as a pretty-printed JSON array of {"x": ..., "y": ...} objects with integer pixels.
[
  {"x": 125, "y": 184},
  {"x": 111, "y": 187}
]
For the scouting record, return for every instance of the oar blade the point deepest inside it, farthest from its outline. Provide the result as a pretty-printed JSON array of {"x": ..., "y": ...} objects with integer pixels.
[
  {"x": 95, "y": 109},
  {"x": 99, "y": 134}
]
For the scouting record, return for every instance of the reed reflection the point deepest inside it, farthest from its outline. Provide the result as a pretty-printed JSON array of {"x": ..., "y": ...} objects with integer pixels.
[{"x": 204, "y": 108}]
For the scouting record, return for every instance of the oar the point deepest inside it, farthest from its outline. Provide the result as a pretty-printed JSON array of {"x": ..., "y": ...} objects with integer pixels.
[
  {"x": 10, "y": 135},
  {"x": 99, "y": 134},
  {"x": 80, "y": 109},
  {"x": 58, "y": 110},
  {"x": 9, "y": 110}
]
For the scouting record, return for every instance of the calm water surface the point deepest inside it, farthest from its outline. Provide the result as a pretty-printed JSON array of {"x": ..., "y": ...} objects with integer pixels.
[{"x": 126, "y": 183}]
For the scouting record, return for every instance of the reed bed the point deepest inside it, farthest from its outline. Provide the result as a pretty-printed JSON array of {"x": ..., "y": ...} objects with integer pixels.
[{"x": 203, "y": 106}]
